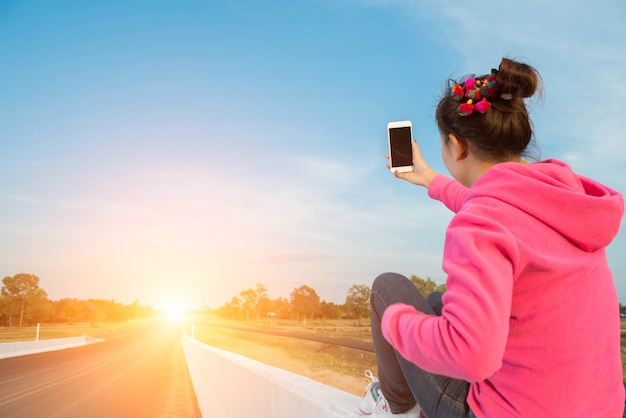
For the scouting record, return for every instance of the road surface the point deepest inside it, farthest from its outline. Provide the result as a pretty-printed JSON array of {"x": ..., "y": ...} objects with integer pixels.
[{"x": 138, "y": 373}]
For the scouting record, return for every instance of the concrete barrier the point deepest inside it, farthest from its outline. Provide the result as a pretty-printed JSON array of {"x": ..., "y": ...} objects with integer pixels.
[
  {"x": 22, "y": 348},
  {"x": 229, "y": 385}
]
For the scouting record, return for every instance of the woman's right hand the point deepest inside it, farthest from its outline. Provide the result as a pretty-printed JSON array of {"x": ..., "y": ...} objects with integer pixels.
[{"x": 422, "y": 174}]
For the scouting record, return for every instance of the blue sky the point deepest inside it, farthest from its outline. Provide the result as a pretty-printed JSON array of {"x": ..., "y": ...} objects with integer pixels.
[{"x": 181, "y": 152}]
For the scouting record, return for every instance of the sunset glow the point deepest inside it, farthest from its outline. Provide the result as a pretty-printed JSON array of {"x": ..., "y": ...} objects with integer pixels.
[{"x": 175, "y": 312}]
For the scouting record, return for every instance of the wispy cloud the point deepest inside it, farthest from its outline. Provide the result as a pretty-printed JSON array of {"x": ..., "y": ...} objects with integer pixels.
[{"x": 38, "y": 201}]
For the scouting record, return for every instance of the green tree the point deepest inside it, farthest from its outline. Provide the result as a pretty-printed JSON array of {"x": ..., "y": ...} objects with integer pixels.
[
  {"x": 20, "y": 292},
  {"x": 68, "y": 310},
  {"x": 358, "y": 301},
  {"x": 330, "y": 310},
  {"x": 249, "y": 302},
  {"x": 305, "y": 302},
  {"x": 8, "y": 308},
  {"x": 280, "y": 307},
  {"x": 39, "y": 309},
  {"x": 426, "y": 287},
  {"x": 262, "y": 301},
  {"x": 232, "y": 309}
]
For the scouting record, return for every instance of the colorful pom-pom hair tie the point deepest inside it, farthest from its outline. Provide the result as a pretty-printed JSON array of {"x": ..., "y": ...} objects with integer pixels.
[{"x": 475, "y": 93}]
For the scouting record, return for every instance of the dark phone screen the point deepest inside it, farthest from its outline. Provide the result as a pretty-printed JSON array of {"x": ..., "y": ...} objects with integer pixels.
[{"x": 400, "y": 144}]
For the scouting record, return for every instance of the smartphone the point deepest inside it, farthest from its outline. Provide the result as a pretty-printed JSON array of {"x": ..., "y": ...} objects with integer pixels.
[{"x": 400, "y": 136}]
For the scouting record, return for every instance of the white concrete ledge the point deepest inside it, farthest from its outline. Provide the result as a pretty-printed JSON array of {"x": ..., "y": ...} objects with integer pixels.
[
  {"x": 22, "y": 348},
  {"x": 229, "y": 385}
]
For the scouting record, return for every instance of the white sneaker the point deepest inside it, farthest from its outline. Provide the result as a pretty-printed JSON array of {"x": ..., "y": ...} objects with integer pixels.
[
  {"x": 382, "y": 409},
  {"x": 371, "y": 394},
  {"x": 375, "y": 404}
]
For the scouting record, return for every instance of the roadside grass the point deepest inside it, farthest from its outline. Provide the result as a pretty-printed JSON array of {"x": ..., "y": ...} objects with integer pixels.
[
  {"x": 51, "y": 331},
  {"x": 336, "y": 328},
  {"x": 214, "y": 331},
  {"x": 623, "y": 345}
]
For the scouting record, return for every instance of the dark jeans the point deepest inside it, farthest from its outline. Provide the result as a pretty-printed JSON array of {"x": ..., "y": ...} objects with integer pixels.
[{"x": 403, "y": 383}]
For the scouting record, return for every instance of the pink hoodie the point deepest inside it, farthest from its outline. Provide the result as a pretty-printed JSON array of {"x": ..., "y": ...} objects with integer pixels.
[{"x": 531, "y": 315}]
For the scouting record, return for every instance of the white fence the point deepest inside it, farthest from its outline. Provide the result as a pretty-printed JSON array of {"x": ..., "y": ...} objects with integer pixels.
[
  {"x": 22, "y": 348},
  {"x": 228, "y": 385}
]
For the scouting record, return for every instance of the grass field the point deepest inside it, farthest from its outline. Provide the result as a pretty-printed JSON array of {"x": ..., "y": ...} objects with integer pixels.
[{"x": 51, "y": 331}]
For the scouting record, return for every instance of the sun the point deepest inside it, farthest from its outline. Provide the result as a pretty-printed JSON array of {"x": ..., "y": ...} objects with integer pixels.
[{"x": 175, "y": 312}]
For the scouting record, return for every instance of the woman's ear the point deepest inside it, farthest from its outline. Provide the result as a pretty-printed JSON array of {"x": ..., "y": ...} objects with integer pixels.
[{"x": 459, "y": 146}]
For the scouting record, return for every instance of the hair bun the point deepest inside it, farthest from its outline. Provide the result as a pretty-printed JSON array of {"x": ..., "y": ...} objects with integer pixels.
[{"x": 517, "y": 79}]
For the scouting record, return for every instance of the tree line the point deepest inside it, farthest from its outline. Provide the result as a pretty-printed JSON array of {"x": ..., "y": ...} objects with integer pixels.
[
  {"x": 304, "y": 303},
  {"x": 24, "y": 303}
]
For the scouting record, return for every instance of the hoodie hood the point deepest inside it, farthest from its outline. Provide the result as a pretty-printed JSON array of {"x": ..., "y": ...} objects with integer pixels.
[{"x": 584, "y": 211}]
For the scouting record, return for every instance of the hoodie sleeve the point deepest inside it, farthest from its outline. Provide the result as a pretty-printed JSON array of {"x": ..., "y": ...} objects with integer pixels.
[
  {"x": 450, "y": 192},
  {"x": 469, "y": 339}
]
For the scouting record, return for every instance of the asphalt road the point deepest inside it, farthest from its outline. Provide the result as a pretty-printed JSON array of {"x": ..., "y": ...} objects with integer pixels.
[{"x": 139, "y": 373}]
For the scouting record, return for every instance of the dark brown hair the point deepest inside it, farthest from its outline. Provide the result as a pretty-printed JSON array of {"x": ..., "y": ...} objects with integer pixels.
[{"x": 506, "y": 129}]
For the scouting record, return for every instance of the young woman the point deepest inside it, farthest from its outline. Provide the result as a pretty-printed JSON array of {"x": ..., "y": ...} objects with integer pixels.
[{"x": 530, "y": 321}]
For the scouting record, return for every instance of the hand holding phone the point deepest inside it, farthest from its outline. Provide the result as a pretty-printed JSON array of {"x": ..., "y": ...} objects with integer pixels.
[
  {"x": 400, "y": 137},
  {"x": 405, "y": 157}
]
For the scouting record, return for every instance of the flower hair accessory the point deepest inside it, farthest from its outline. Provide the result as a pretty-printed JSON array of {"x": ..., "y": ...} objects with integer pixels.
[{"x": 475, "y": 93}]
